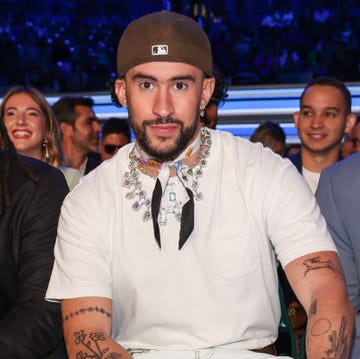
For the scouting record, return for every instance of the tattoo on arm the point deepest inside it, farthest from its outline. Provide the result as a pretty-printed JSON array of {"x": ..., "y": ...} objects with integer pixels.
[
  {"x": 313, "y": 308},
  {"x": 315, "y": 263},
  {"x": 339, "y": 341},
  {"x": 86, "y": 310},
  {"x": 91, "y": 347}
]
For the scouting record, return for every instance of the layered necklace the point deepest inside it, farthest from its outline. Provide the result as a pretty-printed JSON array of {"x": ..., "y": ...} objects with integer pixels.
[{"x": 186, "y": 176}]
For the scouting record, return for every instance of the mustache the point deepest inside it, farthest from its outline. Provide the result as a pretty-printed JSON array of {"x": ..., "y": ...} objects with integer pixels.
[{"x": 162, "y": 121}]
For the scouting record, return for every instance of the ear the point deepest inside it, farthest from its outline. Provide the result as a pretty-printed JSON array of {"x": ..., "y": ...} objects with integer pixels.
[
  {"x": 66, "y": 129},
  {"x": 296, "y": 118},
  {"x": 350, "y": 123},
  {"x": 120, "y": 90},
  {"x": 207, "y": 90}
]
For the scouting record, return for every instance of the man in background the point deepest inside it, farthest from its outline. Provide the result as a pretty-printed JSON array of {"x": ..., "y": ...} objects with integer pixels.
[
  {"x": 323, "y": 119},
  {"x": 80, "y": 130},
  {"x": 351, "y": 143},
  {"x": 115, "y": 134}
]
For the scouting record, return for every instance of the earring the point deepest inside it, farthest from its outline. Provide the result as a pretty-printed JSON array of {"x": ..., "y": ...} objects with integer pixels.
[
  {"x": 46, "y": 150},
  {"x": 124, "y": 104},
  {"x": 202, "y": 108}
]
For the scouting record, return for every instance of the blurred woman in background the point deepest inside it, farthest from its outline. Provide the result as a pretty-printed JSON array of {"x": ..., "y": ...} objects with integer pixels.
[{"x": 33, "y": 129}]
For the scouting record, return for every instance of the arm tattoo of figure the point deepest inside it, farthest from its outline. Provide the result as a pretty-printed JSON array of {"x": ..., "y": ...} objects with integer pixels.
[
  {"x": 315, "y": 263},
  {"x": 339, "y": 341},
  {"x": 91, "y": 346},
  {"x": 86, "y": 310}
]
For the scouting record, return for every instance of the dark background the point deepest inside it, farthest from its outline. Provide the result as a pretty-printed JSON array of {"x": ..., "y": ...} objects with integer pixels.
[{"x": 69, "y": 46}]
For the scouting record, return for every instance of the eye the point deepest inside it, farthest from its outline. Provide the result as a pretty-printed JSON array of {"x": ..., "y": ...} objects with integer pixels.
[
  {"x": 147, "y": 85},
  {"x": 306, "y": 113},
  {"x": 34, "y": 114},
  {"x": 10, "y": 113},
  {"x": 180, "y": 86},
  {"x": 330, "y": 114}
]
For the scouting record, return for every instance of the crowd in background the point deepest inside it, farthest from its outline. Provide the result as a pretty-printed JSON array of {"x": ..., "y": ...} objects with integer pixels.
[{"x": 65, "y": 51}]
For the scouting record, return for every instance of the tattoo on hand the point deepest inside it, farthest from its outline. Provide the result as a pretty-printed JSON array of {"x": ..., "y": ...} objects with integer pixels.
[
  {"x": 92, "y": 348},
  {"x": 315, "y": 263},
  {"x": 339, "y": 346},
  {"x": 86, "y": 310}
]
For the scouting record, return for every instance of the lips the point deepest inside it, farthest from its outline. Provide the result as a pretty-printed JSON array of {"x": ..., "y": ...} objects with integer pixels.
[
  {"x": 164, "y": 130},
  {"x": 21, "y": 133},
  {"x": 316, "y": 136}
]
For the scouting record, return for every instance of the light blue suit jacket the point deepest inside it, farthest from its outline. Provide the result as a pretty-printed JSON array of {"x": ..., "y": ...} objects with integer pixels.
[{"x": 338, "y": 195}]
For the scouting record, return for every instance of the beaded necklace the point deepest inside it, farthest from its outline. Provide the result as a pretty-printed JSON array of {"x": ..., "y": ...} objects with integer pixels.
[{"x": 187, "y": 176}]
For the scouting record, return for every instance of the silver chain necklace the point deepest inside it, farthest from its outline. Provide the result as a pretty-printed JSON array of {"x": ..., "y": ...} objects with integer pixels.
[{"x": 186, "y": 175}]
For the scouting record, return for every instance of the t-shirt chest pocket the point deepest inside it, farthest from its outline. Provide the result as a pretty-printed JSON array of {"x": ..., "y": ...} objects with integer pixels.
[{"x": 236, "y": 254}]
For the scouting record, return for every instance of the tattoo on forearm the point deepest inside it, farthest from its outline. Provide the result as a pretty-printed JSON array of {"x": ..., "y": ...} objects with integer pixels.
[
  {"x": 91, "y": 346},
  {"x": 339, "y": 341},
  {"x": 313, "y": 308},
  {"x": 315, "y": 263},
  {"x": 86, "y": 310}
]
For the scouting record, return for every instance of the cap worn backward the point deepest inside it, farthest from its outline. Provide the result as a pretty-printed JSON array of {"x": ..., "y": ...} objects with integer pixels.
[{"x": 164, "y": 36}]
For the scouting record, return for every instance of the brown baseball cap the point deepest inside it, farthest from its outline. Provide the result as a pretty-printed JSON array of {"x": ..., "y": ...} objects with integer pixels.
[{"x": 164, "y": 36}]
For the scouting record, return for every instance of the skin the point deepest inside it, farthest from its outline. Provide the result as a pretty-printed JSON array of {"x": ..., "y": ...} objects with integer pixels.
[
  {"x": 25, "y": 124},
  {"x": 117, "y": 139},
  {"x": 318, "y": 282},
  {"x": 321, "y": 124},
  {"x": 351, "y": 143},
  {"x": 163, "y": 101},
  {"x": 83, "y": 138}
]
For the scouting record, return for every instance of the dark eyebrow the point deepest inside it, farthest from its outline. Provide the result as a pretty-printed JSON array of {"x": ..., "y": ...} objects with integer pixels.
[
  {"x": 175, "y": 78},
  {"x": 143, "y": 76},
  {"x": 183, "y": 77}
]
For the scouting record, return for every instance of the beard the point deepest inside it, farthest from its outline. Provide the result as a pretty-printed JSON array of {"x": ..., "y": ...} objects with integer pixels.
[{"x": 172, "y": 150}]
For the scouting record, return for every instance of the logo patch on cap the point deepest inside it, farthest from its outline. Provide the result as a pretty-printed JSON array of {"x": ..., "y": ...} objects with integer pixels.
[{"x": 159, "y": 50}]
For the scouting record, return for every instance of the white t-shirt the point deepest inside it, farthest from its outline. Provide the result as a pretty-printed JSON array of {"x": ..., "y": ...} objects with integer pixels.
[
  {"x": 311, "y": 178},
  {"x": 221, "y": 287}
]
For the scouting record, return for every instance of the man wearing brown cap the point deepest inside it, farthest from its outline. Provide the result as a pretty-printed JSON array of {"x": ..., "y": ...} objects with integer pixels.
[{"x": 167, "y": 250}]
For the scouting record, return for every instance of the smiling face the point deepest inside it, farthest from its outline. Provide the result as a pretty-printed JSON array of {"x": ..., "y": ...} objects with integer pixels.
[
  {"x": 322, "y": 119},
  {"x": 163, "y": 100},
  {"x": 25, "y": 124}
]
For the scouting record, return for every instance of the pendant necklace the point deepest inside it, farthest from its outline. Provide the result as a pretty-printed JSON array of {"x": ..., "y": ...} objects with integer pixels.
[{"x": 172, "y": 201}]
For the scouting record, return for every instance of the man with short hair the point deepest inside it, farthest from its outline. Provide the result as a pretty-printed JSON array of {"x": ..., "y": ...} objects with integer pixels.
[
  {"x": 168, "y": 250},
  {"x": 324, "y": 117},
  {"x": 80, "y": 130},
  {"x": 115, "y": 134}
]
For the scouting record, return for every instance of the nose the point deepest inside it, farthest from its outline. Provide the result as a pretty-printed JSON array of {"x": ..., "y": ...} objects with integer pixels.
[
  {"x": 163, "y": 105},
  {"x": 21, "y": 119},
  {"x": 316, "y": 121},
  {"x": 96, "y": 126}
]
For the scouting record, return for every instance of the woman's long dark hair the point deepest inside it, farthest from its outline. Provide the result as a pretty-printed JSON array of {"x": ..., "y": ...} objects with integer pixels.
[{"x": 11, "y": 157}]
